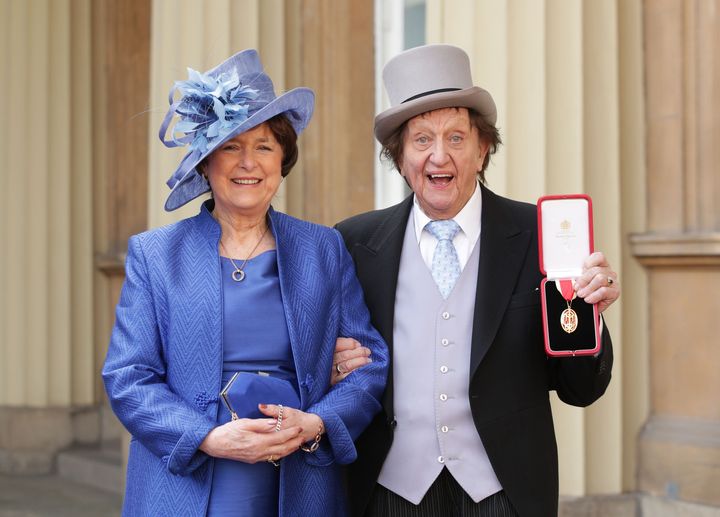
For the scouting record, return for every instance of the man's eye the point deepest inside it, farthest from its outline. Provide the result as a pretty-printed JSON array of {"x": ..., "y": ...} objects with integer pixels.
[
  {"x": 456, "y": 139},
  {"x": 422, "y": 140}
]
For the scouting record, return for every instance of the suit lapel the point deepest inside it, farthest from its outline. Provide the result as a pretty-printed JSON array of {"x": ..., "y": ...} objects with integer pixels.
[
  {"x": 377, "y": 263},
  {"x": 503, "y": 247}
]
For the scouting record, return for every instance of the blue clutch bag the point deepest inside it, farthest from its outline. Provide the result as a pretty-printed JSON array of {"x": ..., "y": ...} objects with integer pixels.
[{"x": 244, "y": 391}]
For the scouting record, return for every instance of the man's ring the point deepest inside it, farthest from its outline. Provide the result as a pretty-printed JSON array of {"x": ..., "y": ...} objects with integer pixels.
[
  {"x": 271, "y": 459},
  {"x": 337, "y": 369},
  {"x": 610, "y": 281}
]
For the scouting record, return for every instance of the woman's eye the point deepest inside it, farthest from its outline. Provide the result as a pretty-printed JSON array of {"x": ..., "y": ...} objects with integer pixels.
[{"x": 265, "y": 148}]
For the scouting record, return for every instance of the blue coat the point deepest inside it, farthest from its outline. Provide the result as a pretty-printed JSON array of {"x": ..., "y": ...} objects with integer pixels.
[{"x": 164, "y": 364}]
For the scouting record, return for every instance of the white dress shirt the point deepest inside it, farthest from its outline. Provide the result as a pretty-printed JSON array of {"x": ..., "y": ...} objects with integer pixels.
[{"x": 469, "y": 221}]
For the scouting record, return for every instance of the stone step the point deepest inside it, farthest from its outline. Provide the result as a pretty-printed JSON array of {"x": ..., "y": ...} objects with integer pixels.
[
  {"x": 52, "y": 496},
  {"x": 93, "y": 466}
]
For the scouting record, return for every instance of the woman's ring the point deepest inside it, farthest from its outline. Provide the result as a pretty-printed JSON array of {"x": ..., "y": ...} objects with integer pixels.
[
  {"x": 278, "y": 423},
  {"x": 337, "y": 369},
  {"x": 271, "y": 459},
  {"x": 610, "y": 281}
]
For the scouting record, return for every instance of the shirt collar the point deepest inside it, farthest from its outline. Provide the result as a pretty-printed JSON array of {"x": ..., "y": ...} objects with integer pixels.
[{"x": 468, "y": 218}]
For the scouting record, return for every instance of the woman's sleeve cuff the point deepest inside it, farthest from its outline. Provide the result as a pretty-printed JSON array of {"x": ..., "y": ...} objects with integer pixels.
[
  {"x": 185, "y": 456},
  {"x": 337, "y": 445}
]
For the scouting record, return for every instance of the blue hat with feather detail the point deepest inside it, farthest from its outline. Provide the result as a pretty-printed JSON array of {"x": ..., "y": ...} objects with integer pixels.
[{"x": 214, "y": 107}]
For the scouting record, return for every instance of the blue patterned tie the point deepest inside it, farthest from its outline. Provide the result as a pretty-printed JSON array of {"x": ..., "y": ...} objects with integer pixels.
[{"x": 445, "y": 263}]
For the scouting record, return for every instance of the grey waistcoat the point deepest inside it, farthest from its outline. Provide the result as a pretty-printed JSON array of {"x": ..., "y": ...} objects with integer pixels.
[{"x": 431, "y": 376}]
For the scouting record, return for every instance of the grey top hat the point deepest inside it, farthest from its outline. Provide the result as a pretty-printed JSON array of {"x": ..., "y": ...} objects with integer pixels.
[
  {"x": 214, "y": 107},
  {"x": 428, "y": 78}
]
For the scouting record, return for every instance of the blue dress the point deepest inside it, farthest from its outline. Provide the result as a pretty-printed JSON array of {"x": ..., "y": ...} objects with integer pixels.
[{"x": 255, "y": 338}]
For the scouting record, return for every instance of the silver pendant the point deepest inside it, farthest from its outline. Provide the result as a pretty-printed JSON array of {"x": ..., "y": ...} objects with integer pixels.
[{"x": 238, "y": 275}]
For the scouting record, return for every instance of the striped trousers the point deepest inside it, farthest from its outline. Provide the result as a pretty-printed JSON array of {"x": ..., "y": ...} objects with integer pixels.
[{"x": 445, "y": 498}]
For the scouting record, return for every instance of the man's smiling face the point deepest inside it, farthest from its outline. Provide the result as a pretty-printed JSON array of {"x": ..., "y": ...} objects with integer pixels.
[{"x": 442, "y": 154}]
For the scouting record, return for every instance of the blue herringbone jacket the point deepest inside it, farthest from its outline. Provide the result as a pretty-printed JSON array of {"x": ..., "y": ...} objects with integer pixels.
[{"x": 164, "y": 364}]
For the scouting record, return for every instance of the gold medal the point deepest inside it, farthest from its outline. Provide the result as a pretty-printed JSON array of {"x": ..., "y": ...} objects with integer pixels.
[{"x": 569, "y": 320}]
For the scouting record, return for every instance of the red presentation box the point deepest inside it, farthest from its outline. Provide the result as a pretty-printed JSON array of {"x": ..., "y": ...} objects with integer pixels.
[{"x": 565, "y": 227}]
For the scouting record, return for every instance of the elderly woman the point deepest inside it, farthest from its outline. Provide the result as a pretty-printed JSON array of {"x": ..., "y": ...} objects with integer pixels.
[{"x": 245, "y": 300}]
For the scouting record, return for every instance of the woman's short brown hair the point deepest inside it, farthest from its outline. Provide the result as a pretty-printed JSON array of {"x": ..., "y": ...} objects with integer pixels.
[
  {"x": 287, "y": 138},
  {"x": 393, "y": 147}
]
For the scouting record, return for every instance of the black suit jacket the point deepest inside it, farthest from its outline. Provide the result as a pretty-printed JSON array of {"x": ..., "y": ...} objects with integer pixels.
[{"x": 510, "y": 374}]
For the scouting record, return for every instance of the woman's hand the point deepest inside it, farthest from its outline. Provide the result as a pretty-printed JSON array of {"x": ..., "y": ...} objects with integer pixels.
[
  {"x": 598, "y": 282},
  {"x": 349, "y": 356},
  {"x": 310, "y": 423},
  {"x": 252, "y": 440}
]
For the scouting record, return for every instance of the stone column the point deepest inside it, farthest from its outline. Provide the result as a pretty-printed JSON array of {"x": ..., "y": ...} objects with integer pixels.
[
  {"x": 679, "y": 445},
  {"x": 121, "y": 55},
  {"x": 47, "y": 372},
  {"x": 329, "y": 48}
]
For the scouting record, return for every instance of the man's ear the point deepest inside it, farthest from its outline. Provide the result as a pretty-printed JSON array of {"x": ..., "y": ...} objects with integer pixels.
[{"x": 483, "y": 148}]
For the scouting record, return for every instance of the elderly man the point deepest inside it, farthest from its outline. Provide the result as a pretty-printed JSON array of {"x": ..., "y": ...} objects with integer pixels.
[{"x": 451, "y": 278}]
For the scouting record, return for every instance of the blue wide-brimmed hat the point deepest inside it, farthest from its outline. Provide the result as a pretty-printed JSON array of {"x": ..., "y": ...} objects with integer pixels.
[{"x": 218, "y": 105}]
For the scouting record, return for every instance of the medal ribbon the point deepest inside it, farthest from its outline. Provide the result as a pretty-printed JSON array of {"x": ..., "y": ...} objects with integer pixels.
[{"x": 566, "y": 289}]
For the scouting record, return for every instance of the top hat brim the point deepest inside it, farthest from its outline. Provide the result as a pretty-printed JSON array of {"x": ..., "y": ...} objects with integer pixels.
[
  {"x": 387, "y": 122},
  {"x": 298, "y": 103}
]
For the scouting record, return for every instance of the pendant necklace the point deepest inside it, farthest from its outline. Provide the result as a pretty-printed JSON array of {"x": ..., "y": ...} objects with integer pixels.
[{"x": 239, "y": 275}]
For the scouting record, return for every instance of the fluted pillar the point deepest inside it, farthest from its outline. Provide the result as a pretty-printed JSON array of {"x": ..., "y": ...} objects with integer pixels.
[
  {"x": 679, "y": 447},
  {"x": 120, "y": 76},
  {"x": 46, "y": 328},
  {"x": 329, "y": 48},
  {"x": 554, "y": 70}
]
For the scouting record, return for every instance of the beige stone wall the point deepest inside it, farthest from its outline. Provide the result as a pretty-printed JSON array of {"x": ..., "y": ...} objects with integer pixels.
[{"x": 679, "y": 446}]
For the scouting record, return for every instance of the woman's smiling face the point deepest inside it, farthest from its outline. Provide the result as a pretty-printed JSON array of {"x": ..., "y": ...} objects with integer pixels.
[
  {"x": 442, "y": 154},
  {"x": 245, "y": 172}
]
